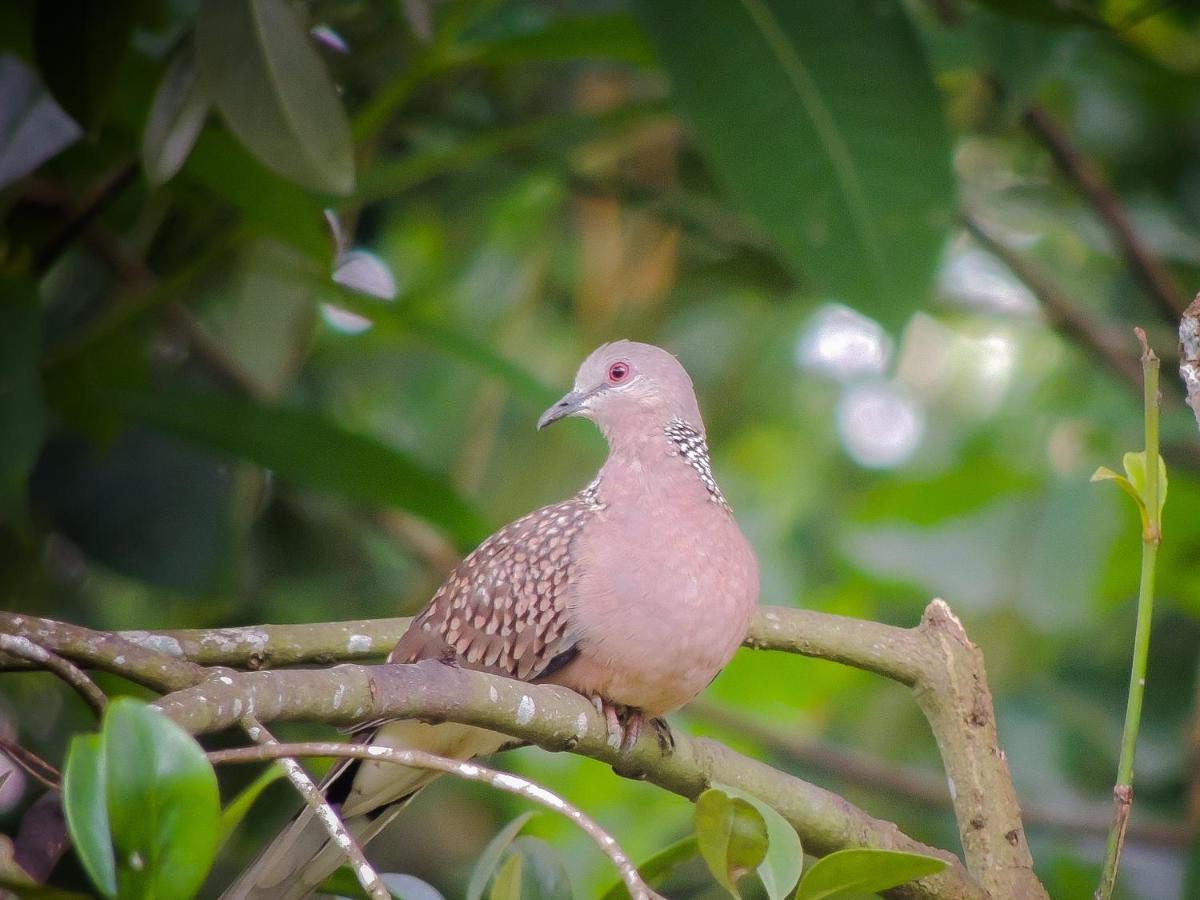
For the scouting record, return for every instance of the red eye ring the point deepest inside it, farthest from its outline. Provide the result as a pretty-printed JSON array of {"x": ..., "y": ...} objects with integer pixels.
[{"x": 618, "y": 372}]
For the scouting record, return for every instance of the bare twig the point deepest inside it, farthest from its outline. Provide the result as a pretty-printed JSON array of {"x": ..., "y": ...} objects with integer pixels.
[
  {"x": 1062, "y": 310},
  {"x": 1084, "y": 174},
  {"x": 1189, "y": 355},
  {"x": 37, "y": 767},
  {"x": 326, "y": 815},
  {"x": 24, "y": 648},
  {"x": 468, "y": 770}
]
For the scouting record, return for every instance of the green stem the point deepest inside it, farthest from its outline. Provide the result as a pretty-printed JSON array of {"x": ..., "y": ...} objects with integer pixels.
[{"x": 1151, "y": 537}]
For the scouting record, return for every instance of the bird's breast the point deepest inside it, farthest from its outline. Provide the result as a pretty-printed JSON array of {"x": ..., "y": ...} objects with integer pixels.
[{"x": 663, "y": 599}]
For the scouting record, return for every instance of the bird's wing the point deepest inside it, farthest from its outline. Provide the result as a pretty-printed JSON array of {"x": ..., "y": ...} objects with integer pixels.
[{"x": 504, "y": 608}]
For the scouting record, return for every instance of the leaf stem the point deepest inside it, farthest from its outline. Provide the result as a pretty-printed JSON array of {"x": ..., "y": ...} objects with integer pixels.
[{"x": 1151, "y": 537}]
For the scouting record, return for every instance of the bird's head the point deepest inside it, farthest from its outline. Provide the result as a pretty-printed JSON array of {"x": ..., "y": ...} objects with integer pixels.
[{"x": 627, "y": 387}]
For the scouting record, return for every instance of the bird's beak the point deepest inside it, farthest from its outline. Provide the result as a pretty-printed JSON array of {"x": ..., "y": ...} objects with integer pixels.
[{"x": 569, "y": 405}]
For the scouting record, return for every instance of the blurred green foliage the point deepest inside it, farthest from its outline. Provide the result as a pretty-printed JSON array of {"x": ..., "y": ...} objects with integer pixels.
[{"x": 216, "y": 409}]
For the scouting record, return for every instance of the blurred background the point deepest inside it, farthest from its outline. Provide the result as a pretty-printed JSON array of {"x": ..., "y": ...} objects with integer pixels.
[{"x": 286, "y": 286}]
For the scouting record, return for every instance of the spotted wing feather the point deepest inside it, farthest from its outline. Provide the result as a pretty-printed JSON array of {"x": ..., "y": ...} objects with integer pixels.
[{"x": 503, "y": 608}]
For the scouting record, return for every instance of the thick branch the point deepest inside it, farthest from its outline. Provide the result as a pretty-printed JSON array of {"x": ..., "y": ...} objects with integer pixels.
[
  {"x": 935, "y": 659},
  {"x": 556, "y": 719}
]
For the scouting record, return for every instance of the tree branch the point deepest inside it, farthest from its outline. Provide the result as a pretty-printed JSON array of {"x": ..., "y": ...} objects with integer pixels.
[
  {"x": 935, "y": 659},
  {"x": 1063, "y": 311},
  {"x": 555, "y": 719},
  {"x": 468, "y": 770},
  {"x": 23, "y": 648},
  {"x": 367, "y": 877},
  {"x": 1086, "y": 176}
]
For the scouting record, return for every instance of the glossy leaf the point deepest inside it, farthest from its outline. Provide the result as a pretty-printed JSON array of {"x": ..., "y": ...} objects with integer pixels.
[
  {"x": 507, "y": 883},
  {"x": 232, "y": 815},
  {"x": 658, "y": 867},
  {"x": 273, "y": 90},
  {"x": 79, "y": 46},
  {"x": 163, "y": 804},
  {"x": 22, "y": 407},
  {"x": 85, "y": 804},
  {"x": 781, "y": 867},
  {"x": 852, "y": 873},
  {"x": 731, "y": 835},
  {"x": 485, "y": 866},
  {"x": 176, "y": 117},
  {"x": 33, "y": 127},
  {"x": 1135, "y": 469},
  {"x": 307, "y": 447},
  {"x": 823, "y": 122}
]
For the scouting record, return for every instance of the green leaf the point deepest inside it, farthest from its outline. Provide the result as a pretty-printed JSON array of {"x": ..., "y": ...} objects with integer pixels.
[
  {"x": 176, "y": 117},
  {"x": 781, "y": 868},
  {"x": 571, "y": 38},
  {"x": 823, "y": 122},
  {"x": 86, "y": 808},
  {"x": 1053, "y": 13},
  {"x": 731, "y": 835},
  {"x": 232, "y": 815},
  {"x": 163, "y": 803},
  {"x": 490, "y": 857},
  {"x": 1104, "y": 473},
  {"x": 852, "y": 873},
  {"x": 271, "y": 87},
  {"x": 22, "y": 407},
  {"x": 79, "y": 46},
  {"x": 309, "y": 448},
  {"x": 507, "y": 884},
  {"x": 658, "y": 867},
  {"x": 1135, "y": 469}
]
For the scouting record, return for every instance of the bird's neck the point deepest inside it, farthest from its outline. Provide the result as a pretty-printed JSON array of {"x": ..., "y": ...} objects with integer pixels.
[{"x": 659, "y": 458}]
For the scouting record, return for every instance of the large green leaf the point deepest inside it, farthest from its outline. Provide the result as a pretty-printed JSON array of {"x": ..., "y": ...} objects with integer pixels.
[
  {"x": 86, "y": 808},
  {"x": 163, "y": 804},
  {"x": 272, "y": 88},
  {"x": 22, "y": 408},
  {"x": 781, "y": 867},
  {"x": 823, "y": 121},
  {"x": 852, "y": 873},
  {"x": 177, "y": 114},
  {"x": 310, "y": 448},
  {"x": 732, "y": 837}
]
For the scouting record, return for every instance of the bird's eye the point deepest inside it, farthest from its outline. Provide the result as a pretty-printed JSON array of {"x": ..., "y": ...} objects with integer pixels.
[{"x": 618, "y": 372}]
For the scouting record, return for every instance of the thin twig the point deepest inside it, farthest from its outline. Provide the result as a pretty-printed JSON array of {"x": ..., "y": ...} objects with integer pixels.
[
  {"x": 1063, "y": 311},
  {"x": 1086, "y": 176},
  {"x": 1151, "y": 538},
  {"x": 22, "y": 647},
  {"x": 33, "y": 764},
  {"x": 101, "y": 199},
  {"x": 468, "y": 770},
  {"x": 326, "y": 815}
]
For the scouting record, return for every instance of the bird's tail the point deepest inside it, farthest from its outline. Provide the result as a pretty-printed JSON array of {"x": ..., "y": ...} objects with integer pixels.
[{"x": 370, "y": 794}]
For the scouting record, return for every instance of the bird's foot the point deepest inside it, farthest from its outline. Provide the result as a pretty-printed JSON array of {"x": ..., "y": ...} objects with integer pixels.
[
  {"x": 624, "y": 723},
  {"x": 666, "y": 740}
]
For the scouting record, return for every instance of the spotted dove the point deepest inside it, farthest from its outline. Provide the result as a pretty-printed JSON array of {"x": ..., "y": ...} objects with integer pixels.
[{"x": 635, "y": 593}]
